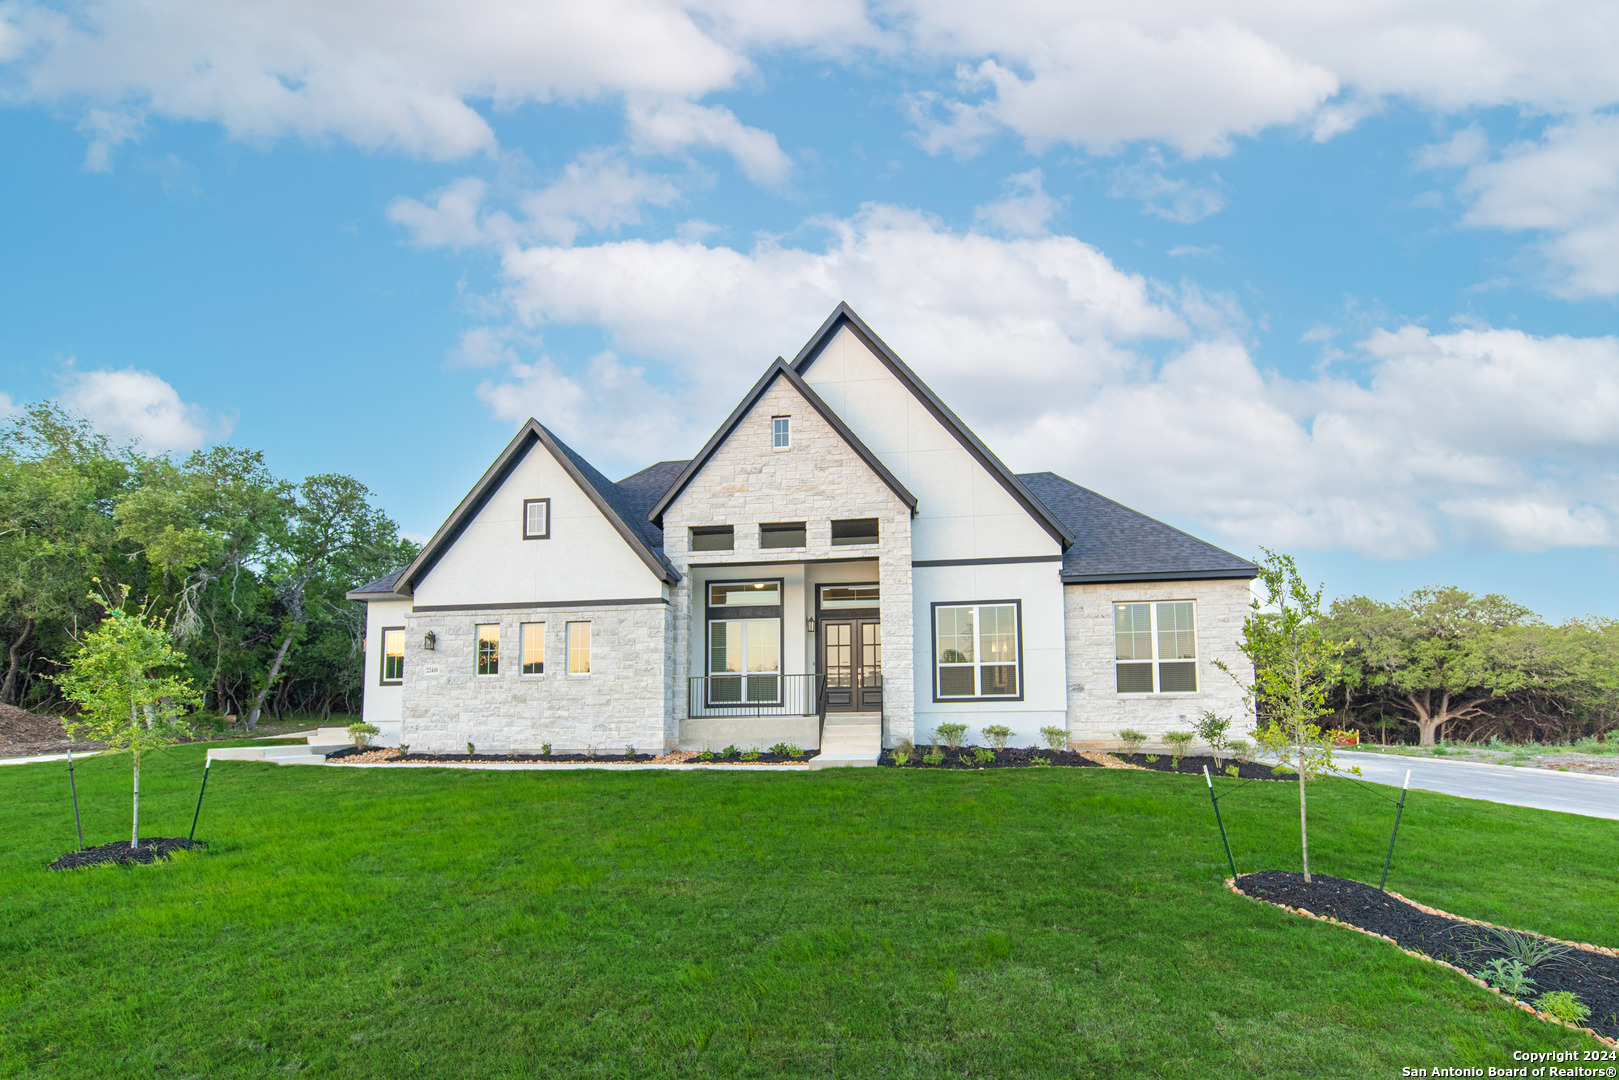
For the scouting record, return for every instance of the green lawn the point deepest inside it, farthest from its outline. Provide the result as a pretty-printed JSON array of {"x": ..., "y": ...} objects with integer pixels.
[{"x": 860, "y": 923}]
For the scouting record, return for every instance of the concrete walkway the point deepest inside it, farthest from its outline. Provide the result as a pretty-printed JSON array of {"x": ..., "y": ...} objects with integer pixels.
[{"x": 1570, "y": 793}]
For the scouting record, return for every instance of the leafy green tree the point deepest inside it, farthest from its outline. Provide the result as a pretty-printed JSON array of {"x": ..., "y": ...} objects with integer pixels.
[
  {"x": 1442, "y": 654},
  {"x": 1295, "y": 669},
  {"x": 59, "y": 481},
  {"x": 128, "y": 681}
]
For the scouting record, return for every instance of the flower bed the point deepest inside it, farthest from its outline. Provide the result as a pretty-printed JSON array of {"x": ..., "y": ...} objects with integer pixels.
[
  {"x": 1246, "y": 770},
  {"x": 1590, "y": 972},
  {"x": 151, "y": 850},
  {"x": 1006, "y": 757}
]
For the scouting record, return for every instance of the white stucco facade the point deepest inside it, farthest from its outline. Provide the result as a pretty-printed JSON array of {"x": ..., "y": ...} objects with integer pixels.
[{"x": 864, "y": 441}]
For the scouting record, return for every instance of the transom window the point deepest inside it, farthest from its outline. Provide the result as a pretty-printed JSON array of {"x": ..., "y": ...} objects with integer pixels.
[
  {"x": 854, "y": 531},
  {"x": 536, "y": 519},
  {"x": 1156, "y": 647},
  {"x": 533, "y": 645},
  {"x": 744, "y": 594},
  {"x": 849, "y": 596},
  {"x": 781, "y": 432},
  {"x": 713, "y": 537},
  {"x": 578, "y": 648},
  {"x": 782, "y": 534},
  {"x": 489, "y": 649},
  {"x": 393, "y": 654},
  {"x": 977, "y": 650}
]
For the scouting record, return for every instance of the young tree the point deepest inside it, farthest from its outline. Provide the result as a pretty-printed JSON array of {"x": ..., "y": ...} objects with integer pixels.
[
  {"x": 127, "y": 681},
  {"x": 1295, "y": 667}
]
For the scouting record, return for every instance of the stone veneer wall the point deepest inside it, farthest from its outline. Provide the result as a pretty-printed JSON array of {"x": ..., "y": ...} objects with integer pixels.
[
  {"x": 623, "y": 701},
  {"x": 1096, "y": 710},
  {"x": 819, "y": 478}
]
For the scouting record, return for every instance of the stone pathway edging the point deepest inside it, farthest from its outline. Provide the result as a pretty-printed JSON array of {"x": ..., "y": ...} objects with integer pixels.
[{"x": 1469, "y": 976}]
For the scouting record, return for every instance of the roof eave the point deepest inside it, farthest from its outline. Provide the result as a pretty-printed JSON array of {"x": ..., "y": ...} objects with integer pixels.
[{"x": 1161, "y": 575}]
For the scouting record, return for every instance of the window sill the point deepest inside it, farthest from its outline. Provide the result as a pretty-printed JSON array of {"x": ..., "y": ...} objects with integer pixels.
[
  {"x": 392, "y": 682},
  {"x": 1175, "y": 695},
  {"x": 780, "y": 449}
]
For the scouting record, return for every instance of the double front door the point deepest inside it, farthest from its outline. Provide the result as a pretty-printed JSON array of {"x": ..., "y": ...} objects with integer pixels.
[{"x": 851, "y": 661}]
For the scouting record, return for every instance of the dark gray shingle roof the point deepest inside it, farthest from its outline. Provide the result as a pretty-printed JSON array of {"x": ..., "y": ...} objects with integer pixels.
[
  {"x": 610, "y": 494},
  {"x": 641, "y": 492},
  {"x": 382, "y": 586},
  {"x": 1116, "y": 543}
]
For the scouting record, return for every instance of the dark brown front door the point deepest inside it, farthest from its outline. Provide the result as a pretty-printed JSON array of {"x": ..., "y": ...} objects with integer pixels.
[{"x": 852, "y": 662}]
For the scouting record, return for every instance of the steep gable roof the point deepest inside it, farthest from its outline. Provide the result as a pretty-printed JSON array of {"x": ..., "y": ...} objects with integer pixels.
[
  {"x": 779, "y": 370},
  {"x": 843, "y": 315},
  {"x": 1116, "y": 543},
  {"x": 601, "y": 491}
]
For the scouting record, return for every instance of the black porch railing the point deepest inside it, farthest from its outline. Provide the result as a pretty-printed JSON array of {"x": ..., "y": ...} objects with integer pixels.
[{"x": 754, "y": 695}]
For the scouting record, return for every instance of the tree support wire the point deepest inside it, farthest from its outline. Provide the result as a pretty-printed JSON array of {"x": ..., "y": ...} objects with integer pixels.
[
  {"x": 1215, "y": 802},
  {"x": 1390, "y": 857},
  {"x": 207, "y": 763},
  {"x": 77, "y": 824}
]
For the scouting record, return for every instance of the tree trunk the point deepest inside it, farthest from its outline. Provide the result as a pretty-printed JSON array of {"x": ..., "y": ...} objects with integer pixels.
[
  {"x": 8, "y": 691},
  {"x": 135, "y": 815},
  {"x": 1304, "y": 824},
  {"x": 269, "y": 680},
  {"x": 1426, "y": 720}
]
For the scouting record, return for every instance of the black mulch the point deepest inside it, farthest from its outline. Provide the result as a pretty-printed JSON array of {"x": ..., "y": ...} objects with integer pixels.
[
  {"x": 1593, "y": 977},
  {"x": 151, "y": 850},
  {"x": 556, "y": 759},
  {"x": 1005, "y": 758},
  {"x": 1249, "y": 770}
]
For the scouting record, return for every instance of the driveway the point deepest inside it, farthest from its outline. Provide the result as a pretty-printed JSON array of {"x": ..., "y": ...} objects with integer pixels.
[{"x": 1543, "y": 789}]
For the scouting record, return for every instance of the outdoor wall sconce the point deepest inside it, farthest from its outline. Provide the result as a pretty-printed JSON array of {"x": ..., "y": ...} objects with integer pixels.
[
  {"x": 429, "y": 641},
  {"x": 809, "y": 624}
]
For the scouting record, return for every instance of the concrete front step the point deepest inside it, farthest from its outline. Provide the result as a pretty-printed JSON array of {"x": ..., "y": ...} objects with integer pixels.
[{"x": 850, "y": 740}]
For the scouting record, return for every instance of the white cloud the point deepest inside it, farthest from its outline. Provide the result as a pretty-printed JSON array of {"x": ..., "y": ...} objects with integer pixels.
[
  {"x": 1565, "y": 186},
  {"x": 1024, "y": 209},
  {"x": 451, "y": 221},
  {"x": 107, "y": 130},
  {"x": 668, "y": 127},
  {"x": 133, "y": 404},
  {"x": 1480, "y": 436},
  {"x": 8, "y": 407},
  {"x": 1179, "y": 201}
]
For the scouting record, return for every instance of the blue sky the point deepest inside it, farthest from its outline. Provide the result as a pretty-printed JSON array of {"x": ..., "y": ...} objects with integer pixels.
[{"x": 1339, "y": 283}]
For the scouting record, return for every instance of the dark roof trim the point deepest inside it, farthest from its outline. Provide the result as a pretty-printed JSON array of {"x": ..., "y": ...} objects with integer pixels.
[
  {"x": 1168, "y": 575},
  {"x": 843, "y": 315},
  {"x": 781, "y": 370},
  {"x": 372, "y": 594},
  {"x": 530, "y": 433},
  {"x": 546, "y": 605}
]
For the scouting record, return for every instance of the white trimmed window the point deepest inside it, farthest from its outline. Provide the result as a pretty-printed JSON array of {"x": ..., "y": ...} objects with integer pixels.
[
  {"x": 977, "y": 651},
  {"x": 393, "y": 655},
  {"x": 781, "y": 432},
  {"x": 1156, "y": 647},
  {"x": 578, "y": 648},
  {"x": 536, "y": 519},
  {"x": 533, "y": 645},
  {"x": 488, "y": 648}
]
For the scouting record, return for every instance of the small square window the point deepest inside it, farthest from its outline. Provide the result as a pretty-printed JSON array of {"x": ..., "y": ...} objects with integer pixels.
[
  {"x": 782, "y": 534},
  {"x": 713, "y": 537},
  {"x": 854, "y": 531},
  {"x": 536, "y": 519},
  {"x": 781, "y": 432}
]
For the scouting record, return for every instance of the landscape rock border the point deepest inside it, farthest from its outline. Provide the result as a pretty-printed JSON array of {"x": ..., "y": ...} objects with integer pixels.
[{"x": 1231, "y": 884}]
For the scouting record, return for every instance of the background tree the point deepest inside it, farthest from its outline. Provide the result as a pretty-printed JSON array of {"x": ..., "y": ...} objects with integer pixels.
[
  {"x": 1295, "y": 670},
  {"x": 129, "y": 684}
]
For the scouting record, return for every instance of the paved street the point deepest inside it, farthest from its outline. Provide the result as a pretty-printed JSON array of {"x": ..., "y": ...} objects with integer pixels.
[{"x": 1572, "y": 793}]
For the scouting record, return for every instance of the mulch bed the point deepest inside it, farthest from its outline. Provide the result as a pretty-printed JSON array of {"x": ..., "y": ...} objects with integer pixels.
[
  {"x": 1246, "y": 770},
  {"x": 1592, "y": 976},
  {"x": 1009, "y": 757},
  {"x": 151, "y": 850},
  {"x": 372, "y": 755}
]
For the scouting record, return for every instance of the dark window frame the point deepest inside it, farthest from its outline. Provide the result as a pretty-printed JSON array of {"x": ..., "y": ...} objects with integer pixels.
[
  {"x": 728, "y": 614},
  {"x": 382, "y": 669},
  {"x": 694, "y": 531},
  {"x": 850, "y": 612},
  {"x": 876, "y": 536},
  {"x": 1022, "y": 672},
  {"x": 546, "y": 535},
  {"x": 777, "y": 527}
]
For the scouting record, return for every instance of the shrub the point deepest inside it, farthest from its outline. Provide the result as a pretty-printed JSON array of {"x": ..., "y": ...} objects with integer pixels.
[
  {"x": 950, "y": 734},
  {"x": 629, "y": 752},
  {"x": 730, "y": 751},
  {"x": 751, "y": 754},
  {"x": 1240, "y": 749},
  {"x": 903, "y": 750},
  {"x": 1563, "y": 1005},
  {"x": 786, "y": 749},
  {"x": 1056, "y": 737},
  {"x": 997, "y": 734},
  {"x": 545, "y": 749},
  {"x": 1211, "y": 727},
  {"x": 471, "y": 750},
  {"x": 935, "y": 757},
  {"x": 984, "y": 755},
  {"x": 1508, "y": 975},
  {"x": 362, "y": 733},
  {"x": 1178, "y": 742},
  {"x": 706, "y": 754},
  {"x": 1234, "y": 772},
  {"x": 1130, "y": 740},
  {"x": 1151, "y": 758},
  {"x": 1527, "y": 949},
  {"x": 404, "y": 749}
]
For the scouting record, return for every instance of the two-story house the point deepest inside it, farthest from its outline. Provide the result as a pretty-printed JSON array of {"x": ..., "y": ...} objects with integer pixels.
[{"x": 843, "y": 554}]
